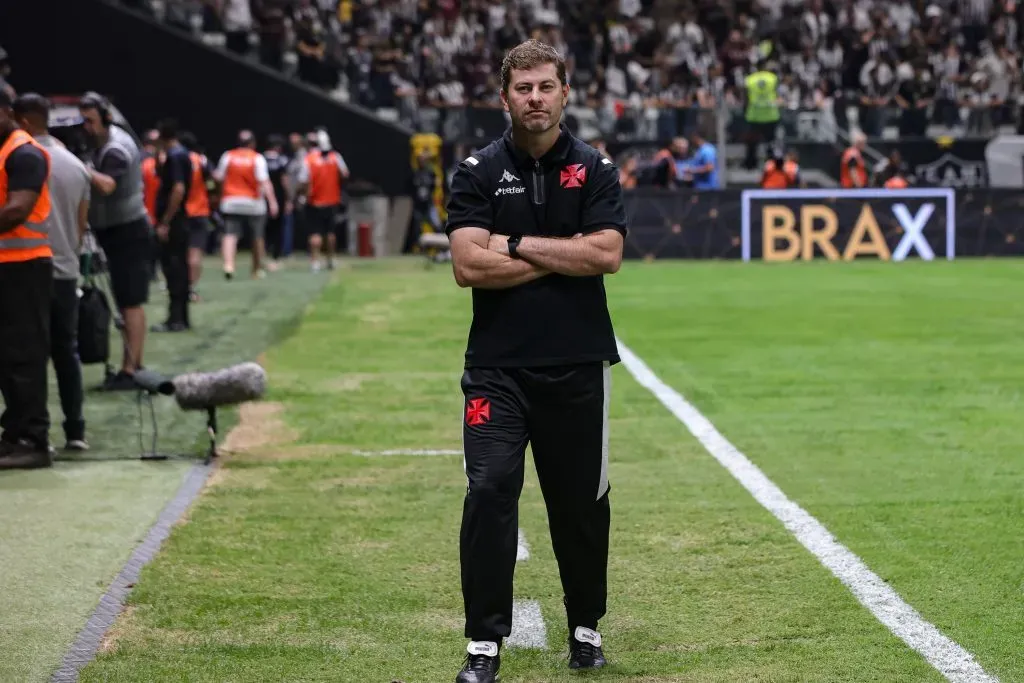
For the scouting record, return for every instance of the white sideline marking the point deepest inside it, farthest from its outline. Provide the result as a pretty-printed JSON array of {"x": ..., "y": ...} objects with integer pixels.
[
  {"x": 522, "y": 548},
  {"x": 951, "y": 660},
  {"x": 528, "y": 630},
  {"x": 409, "y": 451}
]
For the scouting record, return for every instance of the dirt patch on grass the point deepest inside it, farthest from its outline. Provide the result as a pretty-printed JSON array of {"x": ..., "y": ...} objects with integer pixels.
[
  {"x": 259, "y": 425},
  {"x": 120, "y": 627}
]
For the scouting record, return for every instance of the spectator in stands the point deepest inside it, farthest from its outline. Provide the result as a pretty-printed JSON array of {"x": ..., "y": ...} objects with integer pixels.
[{"x": 702, "y": 169}]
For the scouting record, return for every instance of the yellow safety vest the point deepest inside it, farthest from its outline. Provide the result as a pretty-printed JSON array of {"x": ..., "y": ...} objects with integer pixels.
[{"x": 762, "y": 94}]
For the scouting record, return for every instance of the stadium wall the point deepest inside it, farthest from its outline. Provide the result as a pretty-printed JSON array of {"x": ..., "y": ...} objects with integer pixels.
[
  {"x": 794, "y": 225},
  {"x": 152, "y": 71}
]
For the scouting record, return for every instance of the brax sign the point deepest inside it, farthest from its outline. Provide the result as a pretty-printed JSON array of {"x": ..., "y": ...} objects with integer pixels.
[{"x": 842, "y": 225}]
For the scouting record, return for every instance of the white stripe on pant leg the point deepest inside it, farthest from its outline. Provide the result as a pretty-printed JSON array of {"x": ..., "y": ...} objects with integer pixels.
[
  {"x": 602, "y": 487},
  {"x": 528, "y": 630},
  {"x": 522, "y": 548},
  {"x": 949, "y": 658}
]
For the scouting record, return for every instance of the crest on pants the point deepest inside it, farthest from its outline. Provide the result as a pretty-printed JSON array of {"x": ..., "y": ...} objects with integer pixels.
[{"x": 478, "y": 411}]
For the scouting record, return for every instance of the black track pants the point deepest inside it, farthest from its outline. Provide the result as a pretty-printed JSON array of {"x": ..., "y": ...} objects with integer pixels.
[{"x": 562, "y": 412}]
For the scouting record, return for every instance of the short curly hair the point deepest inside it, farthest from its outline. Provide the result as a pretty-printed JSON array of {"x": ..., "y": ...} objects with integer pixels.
[{"x": 528, "y": 55}]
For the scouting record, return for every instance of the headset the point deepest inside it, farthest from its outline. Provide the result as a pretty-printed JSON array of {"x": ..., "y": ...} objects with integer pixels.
[{"x": 94, "y": 100}]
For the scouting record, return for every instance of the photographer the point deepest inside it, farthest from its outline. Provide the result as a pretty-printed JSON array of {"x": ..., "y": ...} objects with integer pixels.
[{"x": 117, "y": 215}]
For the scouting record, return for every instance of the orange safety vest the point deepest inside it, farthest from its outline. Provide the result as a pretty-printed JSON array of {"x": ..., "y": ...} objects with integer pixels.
[
  {"x": 324, "y": 179},
  {"x": 197, "y": 204},
  {"x": 845, "y": 179},
  {"x": 776, "y": 178},
  {"x": 27, "y": 241},
  {"x": 895, "y": 183},
  {"x": 150, "y": 186},
  {"x": 240, "y": 174}
]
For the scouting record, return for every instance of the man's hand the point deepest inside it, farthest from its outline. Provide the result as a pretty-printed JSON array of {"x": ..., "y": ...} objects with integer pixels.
[
  {"x": 162, "y": 231},
  {"x": 498, "y": 244}
]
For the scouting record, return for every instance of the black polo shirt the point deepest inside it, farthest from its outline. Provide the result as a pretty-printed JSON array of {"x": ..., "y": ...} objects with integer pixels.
[
  {"x": 555, "y": 319},
  {"x": 177, "y": 168}
]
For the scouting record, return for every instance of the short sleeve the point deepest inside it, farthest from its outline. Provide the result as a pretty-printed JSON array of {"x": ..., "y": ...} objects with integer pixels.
[
  {"x": 222, "y": 167},
  {"x": 603, "y": 207},
  {"x": 180, "y": 169},
  {"x": 262, "y": 173},
  {"x": 302, "y": 174},
  {"x": 468, "y": 202},
  {"x": 114, "y": 162},
  {"x": 27, "y": 169}
]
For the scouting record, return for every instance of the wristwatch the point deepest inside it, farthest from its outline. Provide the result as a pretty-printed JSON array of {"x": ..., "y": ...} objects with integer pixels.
[{"x": 513, "y": 244}]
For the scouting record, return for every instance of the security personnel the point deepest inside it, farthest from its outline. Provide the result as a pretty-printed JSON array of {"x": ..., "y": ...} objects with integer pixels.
[
  {"x": 150, "y": 187},
  {"x": 762, "y": 110},
  {"x": 69, "y": 186},
  {"x": 781, "y": 172},
  {"x": 197, "y": 212},
  {"x": 150, "y": 179},
  {"x": 245, "y": 194},
  {"x": 26, "y": 281},
  {"x": 853, "y": 172},
  {"x": 321, "y": 178},
  {"x": 536, "y": 219}
]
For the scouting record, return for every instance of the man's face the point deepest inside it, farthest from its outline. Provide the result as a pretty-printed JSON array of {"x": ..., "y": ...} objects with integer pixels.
[
  {"x": 92, "y": 123},
  {"x": 535, "y": 98},
  {"x": 295, "y": 141},
  {"x": 6, "y": 118}
]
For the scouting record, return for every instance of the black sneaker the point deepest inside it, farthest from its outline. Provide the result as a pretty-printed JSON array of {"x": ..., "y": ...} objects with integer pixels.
[
  {"x": 121, "y": 381},
  {"x": 24, "y": 455},
  {"x": 585, "y": 649},
  {"x": 169, "y": 327},
  {"x": 482, "y": 662}
]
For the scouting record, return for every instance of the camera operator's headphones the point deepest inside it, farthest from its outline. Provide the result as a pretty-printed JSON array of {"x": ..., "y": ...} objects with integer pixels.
[{"x": 94, "y": 100}]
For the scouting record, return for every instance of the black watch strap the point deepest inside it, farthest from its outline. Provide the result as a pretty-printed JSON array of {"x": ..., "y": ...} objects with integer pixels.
[{"x": 513, "y": 245}]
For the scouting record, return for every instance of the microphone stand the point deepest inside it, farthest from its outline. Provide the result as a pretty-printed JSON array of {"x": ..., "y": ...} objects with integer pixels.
[{"x": 211, "y": 429}]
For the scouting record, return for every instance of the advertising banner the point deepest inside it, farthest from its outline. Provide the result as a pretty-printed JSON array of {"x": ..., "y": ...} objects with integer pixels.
[{"x": 843, "y": 225}]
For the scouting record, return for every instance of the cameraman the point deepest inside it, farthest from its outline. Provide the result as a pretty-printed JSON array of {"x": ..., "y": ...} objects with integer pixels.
[{"x": 118, "y": 218}]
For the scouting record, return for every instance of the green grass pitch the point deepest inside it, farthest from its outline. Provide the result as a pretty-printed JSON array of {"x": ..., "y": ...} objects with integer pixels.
[{"x": 883, "y": 398}]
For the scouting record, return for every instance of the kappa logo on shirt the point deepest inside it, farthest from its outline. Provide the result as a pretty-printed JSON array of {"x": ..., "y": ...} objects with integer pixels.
[{"x": 507, "y": 177}]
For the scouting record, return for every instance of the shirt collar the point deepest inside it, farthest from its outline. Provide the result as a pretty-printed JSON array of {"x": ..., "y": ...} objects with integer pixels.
[{"x": 558, "y": 152}]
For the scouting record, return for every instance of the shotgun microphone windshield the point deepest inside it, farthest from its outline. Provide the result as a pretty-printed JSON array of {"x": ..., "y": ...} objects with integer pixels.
[
  {"x": 153, "y": 382},
  {"x": 232, "y": 385}
]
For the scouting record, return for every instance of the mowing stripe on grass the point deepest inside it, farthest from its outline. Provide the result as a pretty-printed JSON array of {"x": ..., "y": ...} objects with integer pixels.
[
  {"x": 522, "y": 548},
  {"x": 528, "y": 630},
  {"x": 88, "y": 641},
  {"x": 949, "y": 658}
]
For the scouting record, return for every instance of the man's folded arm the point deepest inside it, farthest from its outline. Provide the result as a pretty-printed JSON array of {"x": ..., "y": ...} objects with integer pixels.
[
  {"x": 598, "y": 253},
  {"x": 477, "y": 266},
  {"x": 597, "y": 248}
]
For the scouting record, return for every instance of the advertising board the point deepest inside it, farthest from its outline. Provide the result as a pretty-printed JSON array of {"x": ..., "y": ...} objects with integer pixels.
[{"x": 842, "y": 225}]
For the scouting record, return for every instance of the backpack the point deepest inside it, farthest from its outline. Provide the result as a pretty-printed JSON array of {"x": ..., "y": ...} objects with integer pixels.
[{"x": 94, "y": 316}]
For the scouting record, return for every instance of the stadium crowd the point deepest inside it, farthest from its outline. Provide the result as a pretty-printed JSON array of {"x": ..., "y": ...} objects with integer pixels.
[{"x": 647, "y": 68}]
